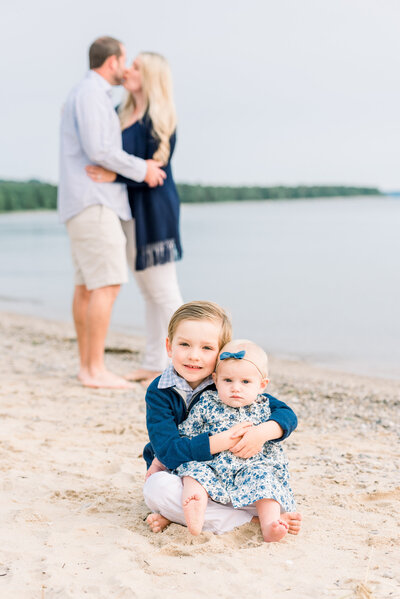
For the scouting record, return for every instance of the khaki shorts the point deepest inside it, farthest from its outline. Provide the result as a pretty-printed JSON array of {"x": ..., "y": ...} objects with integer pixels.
[{"x": 98, "y": 248}]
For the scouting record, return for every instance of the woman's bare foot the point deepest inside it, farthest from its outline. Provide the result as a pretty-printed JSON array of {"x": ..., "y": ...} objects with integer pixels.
[
  {"x": 194, "y": 508},
  {"x": 142, "y": 374},
  {"x": 157, "y": 523},
  {"x": 103, "y": 379},
  {"x": 274, "y": 531},
  {"x": 293, "y": 520}
]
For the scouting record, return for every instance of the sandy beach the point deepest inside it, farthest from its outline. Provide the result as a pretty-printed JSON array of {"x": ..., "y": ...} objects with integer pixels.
[{"x": 73, "y": 516}]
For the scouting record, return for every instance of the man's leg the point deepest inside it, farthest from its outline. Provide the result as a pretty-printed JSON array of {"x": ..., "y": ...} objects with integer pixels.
[
  {"x": 79, "y": 310},
  {"x": 93, "y": 334}
]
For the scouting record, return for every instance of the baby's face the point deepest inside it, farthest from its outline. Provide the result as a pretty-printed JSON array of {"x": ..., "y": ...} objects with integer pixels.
[{"x": 238, "y": 382}]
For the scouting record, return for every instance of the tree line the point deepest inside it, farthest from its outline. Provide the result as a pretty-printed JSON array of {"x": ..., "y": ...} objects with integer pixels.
[{"x": 35, "y": 195}]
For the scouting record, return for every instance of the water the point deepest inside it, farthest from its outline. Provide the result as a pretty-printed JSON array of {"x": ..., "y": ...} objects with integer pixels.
[{"x": 312, "y": 279}]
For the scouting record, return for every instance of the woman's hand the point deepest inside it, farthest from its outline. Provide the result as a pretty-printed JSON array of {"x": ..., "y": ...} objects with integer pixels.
[
  {"x": 250, "y": 444},
  {"x": 100, "y": 174}
]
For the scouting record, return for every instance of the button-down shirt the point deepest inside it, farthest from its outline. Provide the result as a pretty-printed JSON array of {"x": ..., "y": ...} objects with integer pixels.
[
  {"x": 170, "y": 378},
  {"x": 91, "y": 134}
]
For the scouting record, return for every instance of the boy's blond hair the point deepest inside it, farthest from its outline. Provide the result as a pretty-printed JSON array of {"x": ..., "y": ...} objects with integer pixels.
[
  {"x": 253, "y": 353},
  {"x": 201, "y": 310}
]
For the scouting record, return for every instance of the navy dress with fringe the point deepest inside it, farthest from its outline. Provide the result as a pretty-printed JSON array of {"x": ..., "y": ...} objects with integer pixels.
[{"x": 155, "y": 209}]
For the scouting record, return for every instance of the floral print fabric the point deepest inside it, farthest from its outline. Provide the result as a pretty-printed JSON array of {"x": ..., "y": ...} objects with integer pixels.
[{"x": 226, "y": 477}]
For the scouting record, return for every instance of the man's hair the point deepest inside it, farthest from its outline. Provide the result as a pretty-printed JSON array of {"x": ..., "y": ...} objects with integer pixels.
[
  {"x": 201, "y": 310},
  {"x": 101, "y": 49}
]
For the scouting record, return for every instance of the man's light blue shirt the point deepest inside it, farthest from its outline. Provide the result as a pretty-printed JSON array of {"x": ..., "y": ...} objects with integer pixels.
[{"x": 91, "y": 134}]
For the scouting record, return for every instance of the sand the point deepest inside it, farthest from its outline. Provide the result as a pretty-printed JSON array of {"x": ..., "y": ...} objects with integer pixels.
[{"x": 72, "y": 513}]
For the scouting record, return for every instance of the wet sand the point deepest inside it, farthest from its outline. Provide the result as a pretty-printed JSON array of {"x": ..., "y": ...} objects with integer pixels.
[{"x": 73, "y": 516}]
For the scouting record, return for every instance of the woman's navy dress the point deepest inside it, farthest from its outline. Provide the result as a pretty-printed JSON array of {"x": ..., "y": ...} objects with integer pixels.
[{"x": 155, "y": 209}]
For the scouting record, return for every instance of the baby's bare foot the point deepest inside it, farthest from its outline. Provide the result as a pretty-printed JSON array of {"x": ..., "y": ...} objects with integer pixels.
[
  {"x": 275, "y": 531},
  {"x": 157, "y": 523},
  {"x": 194, "y": 507},
  {"x": 293, "y": 520}
]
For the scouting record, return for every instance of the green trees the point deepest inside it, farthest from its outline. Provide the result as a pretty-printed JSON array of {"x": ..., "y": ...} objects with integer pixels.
[
  {"x": 27, "y": 195},
  {"x": 35, "y": 195}
]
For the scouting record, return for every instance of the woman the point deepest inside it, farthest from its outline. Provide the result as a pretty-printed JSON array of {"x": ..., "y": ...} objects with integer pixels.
[{"x": 148, "y": 122}]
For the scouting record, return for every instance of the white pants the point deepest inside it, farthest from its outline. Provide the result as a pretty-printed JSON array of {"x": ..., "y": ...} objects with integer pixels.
[
  {"x": 160, "y": 290},
  {"x": 163, "y": 494}
]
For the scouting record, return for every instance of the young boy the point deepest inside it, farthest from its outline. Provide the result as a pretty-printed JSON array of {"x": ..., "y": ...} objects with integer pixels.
[{"x": 196, "y": 333}]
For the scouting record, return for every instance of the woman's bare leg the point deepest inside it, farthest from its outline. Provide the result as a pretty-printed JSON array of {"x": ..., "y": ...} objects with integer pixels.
[
  {"x": 194, "y": 503},
  {"x": 273, "y": 527}
]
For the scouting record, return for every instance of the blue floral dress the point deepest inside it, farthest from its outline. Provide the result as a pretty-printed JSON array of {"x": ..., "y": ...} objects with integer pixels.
[{"x": 227, "y": 478}]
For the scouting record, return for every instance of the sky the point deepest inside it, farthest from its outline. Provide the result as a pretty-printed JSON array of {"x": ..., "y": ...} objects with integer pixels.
[{"x": 268, "y": 92}]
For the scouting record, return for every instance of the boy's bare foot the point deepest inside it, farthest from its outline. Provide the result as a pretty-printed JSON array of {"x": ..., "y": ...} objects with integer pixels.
[
  {"x": 194, "y": 508},
  {"x": 142, "y": 374},
  {"x": 274, "y": 531},
  {"x": 157, "y": 523},
  {"x": 103, "y": 380},
  {"x": 293, "y": 520}
]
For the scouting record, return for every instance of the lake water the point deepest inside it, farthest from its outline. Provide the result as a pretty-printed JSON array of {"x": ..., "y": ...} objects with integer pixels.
[{"x": 312, "y": 279}]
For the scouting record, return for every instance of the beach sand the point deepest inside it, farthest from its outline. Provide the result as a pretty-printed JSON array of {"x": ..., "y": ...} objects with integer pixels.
[{"x": 73, "y": 516}]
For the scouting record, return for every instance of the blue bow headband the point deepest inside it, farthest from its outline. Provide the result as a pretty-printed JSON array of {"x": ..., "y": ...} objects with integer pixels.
[
  {"x": 240, "y": 355},
  {"x": 227, "y": 354}
]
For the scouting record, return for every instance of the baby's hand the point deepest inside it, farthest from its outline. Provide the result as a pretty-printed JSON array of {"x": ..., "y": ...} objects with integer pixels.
[
  {"x": 156, "y": 466},
  {"x": 250, "y": 444}
]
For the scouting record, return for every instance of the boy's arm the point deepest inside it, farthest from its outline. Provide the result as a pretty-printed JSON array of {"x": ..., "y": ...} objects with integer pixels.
[
  {"x": 283, "y": 416},
  {"x": 169, "y": 447},
  {"x": 280, "y": 425}
]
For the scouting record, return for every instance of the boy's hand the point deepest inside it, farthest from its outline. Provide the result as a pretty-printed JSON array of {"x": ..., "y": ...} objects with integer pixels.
[
  {"x": 225, "y": 440},
  {"x": 156, "y": 466},
  {"x": 250, "y": 444},
  {"x": 238, "y": 430}
]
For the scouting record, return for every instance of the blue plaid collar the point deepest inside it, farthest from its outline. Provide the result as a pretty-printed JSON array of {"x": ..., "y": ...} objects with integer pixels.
[{"x": 170, "y": 378}]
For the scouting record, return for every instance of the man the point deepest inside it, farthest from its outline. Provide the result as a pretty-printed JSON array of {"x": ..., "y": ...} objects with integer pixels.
[{"x": 90, "y": 133}]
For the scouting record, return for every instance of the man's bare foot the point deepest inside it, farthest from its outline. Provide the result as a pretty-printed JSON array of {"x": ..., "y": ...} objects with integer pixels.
[
  {"x": 293, "y": 520},
  {"x": 194, "y": 508},
  {"x": 142, "y": 374},
  {"x": 274, "y": 531},
  {"x": 104, "y": 380},
  {"x": 157, "y": 523}
]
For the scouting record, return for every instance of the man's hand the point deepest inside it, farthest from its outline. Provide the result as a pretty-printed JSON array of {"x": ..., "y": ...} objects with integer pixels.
[
  {"x": 250, "y": 444},
  {"x": 154, "y": 174},
  {"x": 156, "y": 466}
]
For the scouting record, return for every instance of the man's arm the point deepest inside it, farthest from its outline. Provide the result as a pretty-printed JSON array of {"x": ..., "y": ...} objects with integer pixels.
[{"x": 94, "y": 121}]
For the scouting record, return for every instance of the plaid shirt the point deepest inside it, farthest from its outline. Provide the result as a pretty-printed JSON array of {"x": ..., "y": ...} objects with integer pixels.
[{"x": 170, "y": 378}]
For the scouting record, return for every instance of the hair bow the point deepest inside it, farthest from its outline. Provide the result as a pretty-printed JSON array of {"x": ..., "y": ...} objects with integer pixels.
[{"x": 237, "y": 356}]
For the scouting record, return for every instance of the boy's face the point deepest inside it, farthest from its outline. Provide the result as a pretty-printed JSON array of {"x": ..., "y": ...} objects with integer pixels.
[
  {"x": 194, "y": 349},
  {"x": 238, "y": 383}
]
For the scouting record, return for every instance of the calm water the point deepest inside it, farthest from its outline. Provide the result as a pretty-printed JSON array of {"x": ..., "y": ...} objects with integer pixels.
[{"x": 315, "y": 279}]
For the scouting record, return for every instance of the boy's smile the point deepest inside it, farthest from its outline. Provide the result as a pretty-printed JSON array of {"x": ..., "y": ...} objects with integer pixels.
[{"x": 194, "y": 349}]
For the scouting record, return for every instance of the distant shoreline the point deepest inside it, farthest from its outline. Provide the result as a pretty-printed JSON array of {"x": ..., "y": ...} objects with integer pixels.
[{"x": 37, "y": 195}]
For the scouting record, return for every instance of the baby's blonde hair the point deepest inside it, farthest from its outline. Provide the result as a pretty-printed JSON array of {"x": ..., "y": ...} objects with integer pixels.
[
  {"x": 202, "y": 310},
  {"x": 253, "y": 353}
]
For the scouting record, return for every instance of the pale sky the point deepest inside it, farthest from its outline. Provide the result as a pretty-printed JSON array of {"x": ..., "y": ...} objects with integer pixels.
[{"x": 267, "y": 91}]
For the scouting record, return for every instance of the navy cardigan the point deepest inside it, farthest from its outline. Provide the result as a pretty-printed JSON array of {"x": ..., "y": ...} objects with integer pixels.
[{"x": 165, "y": 409}]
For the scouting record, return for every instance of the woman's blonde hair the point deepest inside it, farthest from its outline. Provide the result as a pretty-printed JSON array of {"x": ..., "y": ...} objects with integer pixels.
[{"x": 158, "y": 94}]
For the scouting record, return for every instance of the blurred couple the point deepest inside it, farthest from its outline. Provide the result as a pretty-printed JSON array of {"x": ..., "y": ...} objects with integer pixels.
[{"x": 119, "y": 202}]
